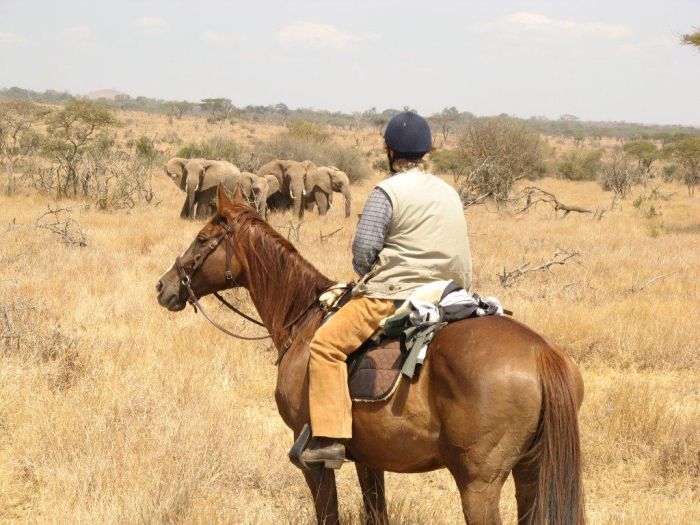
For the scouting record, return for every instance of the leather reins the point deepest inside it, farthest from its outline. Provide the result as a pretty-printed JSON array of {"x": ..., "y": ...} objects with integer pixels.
[{"x": 198, "y": 261}]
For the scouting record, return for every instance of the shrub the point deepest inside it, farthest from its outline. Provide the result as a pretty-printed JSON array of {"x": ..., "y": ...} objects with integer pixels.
[
  {"x": 580, "y": 164},
  {"x": 494, "y": 153},
  {"x": 669, "y": 172},
  {"x": 308, "y": 131},
  {"x": 381, "y": 165},
  {"x": 618, "y": 175},
  {"x": 445, "y": 161},
  {"x": 218, "y": 147}
]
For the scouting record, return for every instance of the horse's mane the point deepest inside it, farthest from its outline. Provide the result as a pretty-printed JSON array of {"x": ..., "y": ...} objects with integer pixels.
[{"x": 279, "y": 275}]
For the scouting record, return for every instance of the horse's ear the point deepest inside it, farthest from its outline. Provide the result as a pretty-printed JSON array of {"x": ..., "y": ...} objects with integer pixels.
[
  {"x": 238, "y": 196},
  {"x": 222, "y": 199}
]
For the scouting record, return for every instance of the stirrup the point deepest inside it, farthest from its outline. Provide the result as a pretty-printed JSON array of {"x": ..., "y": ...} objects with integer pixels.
[{"x": 300, "y": 446}]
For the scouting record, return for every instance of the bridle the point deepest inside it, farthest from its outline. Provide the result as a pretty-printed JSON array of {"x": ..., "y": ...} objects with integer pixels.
[{"x": 197, "y": 262}]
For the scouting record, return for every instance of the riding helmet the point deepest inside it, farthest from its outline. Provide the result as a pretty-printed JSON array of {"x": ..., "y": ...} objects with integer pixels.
[{"x": 408, "y": 134}]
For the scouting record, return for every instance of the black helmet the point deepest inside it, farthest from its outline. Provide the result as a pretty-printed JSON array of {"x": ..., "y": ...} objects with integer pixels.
[{"x": 408, "y": 134}]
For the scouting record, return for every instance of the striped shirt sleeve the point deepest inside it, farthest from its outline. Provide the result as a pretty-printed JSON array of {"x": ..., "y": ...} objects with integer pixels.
[{"x": 371, "y": 231}]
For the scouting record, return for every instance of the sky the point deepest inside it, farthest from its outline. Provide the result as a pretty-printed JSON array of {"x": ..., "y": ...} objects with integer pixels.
[{"x": 599, "y": 60}]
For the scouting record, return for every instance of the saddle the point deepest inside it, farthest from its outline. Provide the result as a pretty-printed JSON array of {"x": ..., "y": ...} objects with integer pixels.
[{"x": 374, "y": 370}]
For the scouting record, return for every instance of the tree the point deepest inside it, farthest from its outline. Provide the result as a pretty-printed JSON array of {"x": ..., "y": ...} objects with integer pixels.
[
  {"x": 218, "y": 109},
  {"x": 494, "y": 153},
  {"x": 17, "y": 139},
  {"x": 447, "y": 117},
  {"x": 617, "y": 176},
  {"x": 692, "y": 39},
  {"x": 178, "y": 109},
  {"x": 645, "y": 153},
  {"x": 687, "y": 153},
  {"x": 73, "y": 131}
]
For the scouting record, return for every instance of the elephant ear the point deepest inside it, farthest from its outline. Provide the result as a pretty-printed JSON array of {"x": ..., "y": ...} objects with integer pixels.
[{"x": 273, "y": 183}]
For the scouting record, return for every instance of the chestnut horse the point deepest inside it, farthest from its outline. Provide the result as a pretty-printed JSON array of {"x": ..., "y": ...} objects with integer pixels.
[{"x": 493, "y": 397}]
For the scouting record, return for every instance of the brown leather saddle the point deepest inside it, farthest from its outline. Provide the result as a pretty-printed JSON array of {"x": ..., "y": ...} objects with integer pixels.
[{"x": 374, "y": 370}]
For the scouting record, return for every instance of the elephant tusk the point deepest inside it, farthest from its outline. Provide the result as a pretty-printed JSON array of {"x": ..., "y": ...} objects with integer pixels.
[{"x": 291, "y": 193}]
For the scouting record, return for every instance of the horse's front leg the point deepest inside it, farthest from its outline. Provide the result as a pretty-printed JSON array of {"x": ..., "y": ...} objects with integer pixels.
[
  {"x": 322, "y": 485},
  {"x": 373, "y": 496}
]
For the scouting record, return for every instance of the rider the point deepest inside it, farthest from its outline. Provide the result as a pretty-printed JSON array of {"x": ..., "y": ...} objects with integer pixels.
[{"x": 412, "y": 231}]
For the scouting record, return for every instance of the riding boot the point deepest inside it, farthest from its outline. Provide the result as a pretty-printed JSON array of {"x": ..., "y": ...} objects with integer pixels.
[{"x": 329, "y": 451}]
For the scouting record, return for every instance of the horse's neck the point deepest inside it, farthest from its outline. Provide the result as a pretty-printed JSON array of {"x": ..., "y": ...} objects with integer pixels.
[{"x": 283, "y": 293}]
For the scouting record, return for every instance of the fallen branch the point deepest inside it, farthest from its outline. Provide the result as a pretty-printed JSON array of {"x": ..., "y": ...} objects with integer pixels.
[
  {"x": 534, "y": 195},
  {"x": 508, "y": 278},
  {"x": 651, "y": 281},
  {"x": 62, "y": 225},
  {"x": 327, "y": 236},
  {"x": 292, "y": 231}
]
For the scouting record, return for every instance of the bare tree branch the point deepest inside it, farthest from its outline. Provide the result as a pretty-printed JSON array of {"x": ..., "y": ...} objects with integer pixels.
[{"x": 508, "y": 278}]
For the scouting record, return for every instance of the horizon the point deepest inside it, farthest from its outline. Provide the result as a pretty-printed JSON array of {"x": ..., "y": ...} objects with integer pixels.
[{"x": 624, "y": 63}]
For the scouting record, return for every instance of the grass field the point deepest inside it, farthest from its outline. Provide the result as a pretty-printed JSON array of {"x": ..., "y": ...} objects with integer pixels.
[{"x": 113, "y": 410}]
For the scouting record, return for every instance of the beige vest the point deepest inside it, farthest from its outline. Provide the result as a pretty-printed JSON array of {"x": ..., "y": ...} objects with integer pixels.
[{"x": 427, "y": 238}]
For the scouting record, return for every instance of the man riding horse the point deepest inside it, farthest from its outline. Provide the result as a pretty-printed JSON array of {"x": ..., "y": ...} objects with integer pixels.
[{"x": 412, "y": 231}]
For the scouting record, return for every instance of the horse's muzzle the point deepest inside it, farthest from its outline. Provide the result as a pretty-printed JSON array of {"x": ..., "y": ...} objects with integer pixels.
[{"x": 169, "y": 296}]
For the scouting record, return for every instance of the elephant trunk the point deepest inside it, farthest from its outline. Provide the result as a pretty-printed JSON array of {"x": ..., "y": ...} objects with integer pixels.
[{"x": 348, "y": 201}]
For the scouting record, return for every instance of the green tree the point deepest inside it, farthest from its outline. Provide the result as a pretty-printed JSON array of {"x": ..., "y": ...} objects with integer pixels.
[
  {"x": 686, "y": 152},
  {"x": 692, "y": 39},
  {"x": 645, "y": 153},
  {"x": 73, "y": 132},
  {"x": 178, "y": 109},
  {"x": 17, "y": 136},
  {"x": 218, "y": 109}
]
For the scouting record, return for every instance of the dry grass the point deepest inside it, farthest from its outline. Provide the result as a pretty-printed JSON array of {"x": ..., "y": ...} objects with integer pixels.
[{"x": 113, "y": 410}]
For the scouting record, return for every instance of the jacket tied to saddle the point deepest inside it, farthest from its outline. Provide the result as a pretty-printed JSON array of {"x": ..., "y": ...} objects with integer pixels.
[{"x": 427, "y": 239}]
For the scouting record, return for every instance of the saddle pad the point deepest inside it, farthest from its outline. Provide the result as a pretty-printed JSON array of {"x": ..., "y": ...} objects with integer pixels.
[{"x": 374, "y": 371}]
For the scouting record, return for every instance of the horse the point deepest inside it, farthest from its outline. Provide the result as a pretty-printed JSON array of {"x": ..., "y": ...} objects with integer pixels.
[{"x": 492, "y": 397}]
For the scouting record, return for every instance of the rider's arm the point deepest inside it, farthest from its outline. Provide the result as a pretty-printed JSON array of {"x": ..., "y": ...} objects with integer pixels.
[{"x": 371, "y": 231}]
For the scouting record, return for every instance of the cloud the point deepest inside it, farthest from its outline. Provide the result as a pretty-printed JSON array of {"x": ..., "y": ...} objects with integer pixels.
[
  {"x": 545, "y": 25},
  {"x": 308, "y": 34},
  {"x": 11, "y": 38},
  {"x": 215, "y": 37},
  {"x": 152, "y": 26},
  {"x": 78, "y": 32}
]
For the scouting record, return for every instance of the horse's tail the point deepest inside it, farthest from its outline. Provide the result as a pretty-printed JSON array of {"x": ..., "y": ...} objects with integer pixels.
[{"x": 556, "y": 446}]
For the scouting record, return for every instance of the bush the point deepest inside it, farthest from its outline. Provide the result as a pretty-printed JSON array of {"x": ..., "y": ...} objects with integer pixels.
[
  {"x": 580, "y": 165},
  {"x": 445, "y": 161},
  {"x": 286, "y": 146},
  {"x": 218, "y": 147},
  {"x": 669, "y": 172},
  {"x": 494, "y": 153},
  {"x": 381, "y": 165},
  {"x": 308, "y": 131}
]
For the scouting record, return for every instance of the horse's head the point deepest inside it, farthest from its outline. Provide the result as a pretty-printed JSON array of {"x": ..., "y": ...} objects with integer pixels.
[{"x": 209, "y": 264}]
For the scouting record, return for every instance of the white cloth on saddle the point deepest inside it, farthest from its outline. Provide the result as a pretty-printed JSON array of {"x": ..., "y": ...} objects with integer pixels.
[{"x": 425, "y": 304}]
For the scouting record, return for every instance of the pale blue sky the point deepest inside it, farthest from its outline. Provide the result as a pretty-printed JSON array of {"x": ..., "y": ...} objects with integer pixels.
[{"x": 600, "y": 60}]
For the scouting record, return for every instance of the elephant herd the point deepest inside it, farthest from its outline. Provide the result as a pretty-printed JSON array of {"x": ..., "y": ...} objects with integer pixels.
[{"x": 277, "y": 185}]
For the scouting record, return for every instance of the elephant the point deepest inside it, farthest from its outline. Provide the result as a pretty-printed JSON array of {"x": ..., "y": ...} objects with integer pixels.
[
  {"x": 263, "y": 189},
  {"x": 290, "y": 174},
  {"x": 320, "y": 185},
  {"x": 198, "y": 178}
]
